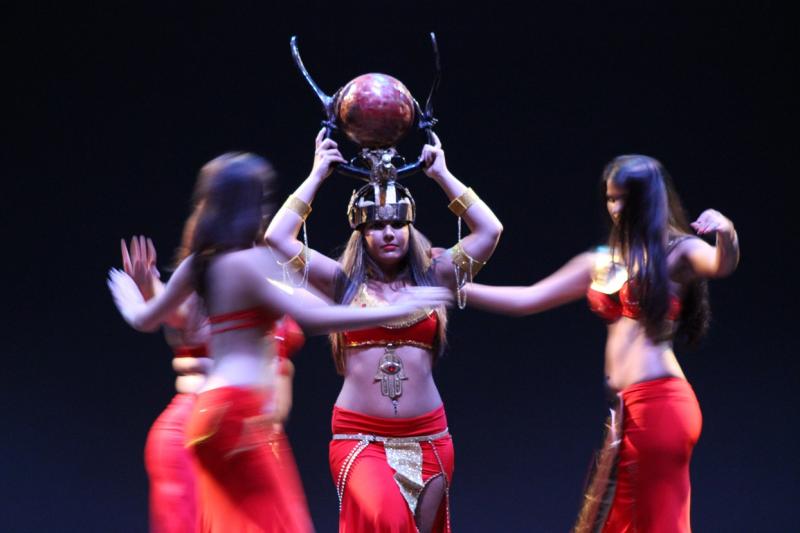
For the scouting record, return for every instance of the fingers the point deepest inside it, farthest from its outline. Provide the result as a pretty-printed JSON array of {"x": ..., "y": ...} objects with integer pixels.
[
  {"x": 135, "y": 256},
  {"x": 126, "y": 258},
  {"x": 327, "y": 144},
  {"x": 318, "y": 139},
  {"x": 151, "y": 252},
  {"x": 437, "y": 143}
]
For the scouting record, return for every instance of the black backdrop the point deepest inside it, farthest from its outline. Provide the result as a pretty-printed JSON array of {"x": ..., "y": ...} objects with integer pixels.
[{"x": 112, "y": 110}]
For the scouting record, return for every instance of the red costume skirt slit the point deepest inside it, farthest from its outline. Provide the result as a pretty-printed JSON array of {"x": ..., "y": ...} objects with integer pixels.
[
  {"x": 382, "y": 465},
  {"x": 247, "y": 478}
]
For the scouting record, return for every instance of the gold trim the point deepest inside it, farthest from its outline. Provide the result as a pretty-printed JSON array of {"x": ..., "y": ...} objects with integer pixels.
[
  {"x": 364, "y": 299},
  {"x": 463, "y": 261},
  {"x": 298, "y": 206},
  {"x": 298, "y": 262},
  {"x": 416, "y": 344},
  {"x": 464, "y": 201}
]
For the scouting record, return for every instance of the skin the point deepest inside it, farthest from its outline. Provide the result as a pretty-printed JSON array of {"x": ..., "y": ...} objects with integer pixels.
[
  {"x": 387, "y": 244},
  {"x": 630, "y": 355}
]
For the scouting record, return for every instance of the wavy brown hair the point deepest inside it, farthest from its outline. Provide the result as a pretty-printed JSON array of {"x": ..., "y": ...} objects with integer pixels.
[
  {"x": 651, "y": 219},
  {"x": 358, "y": 268},
  {"x": 231, "y": 209}
]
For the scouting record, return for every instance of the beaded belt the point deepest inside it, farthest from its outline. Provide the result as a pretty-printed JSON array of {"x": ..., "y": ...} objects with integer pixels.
[
  {"x": 403, "y": 454},
  {"x": 390, "y": 440}
]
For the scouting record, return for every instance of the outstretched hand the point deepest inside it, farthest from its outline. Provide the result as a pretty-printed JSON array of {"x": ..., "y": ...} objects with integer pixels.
[
  {"x": 126, "y": 294},
  {"x": 140, "y": 264},
  {"x": 712, "y": 221},
  {"x": 418, "y": 297},
  {"x": 433, "y": 161},
  {"x": 326, "y": 155}
]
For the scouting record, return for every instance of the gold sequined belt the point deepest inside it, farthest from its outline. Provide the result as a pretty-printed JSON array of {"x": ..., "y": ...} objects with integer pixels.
[{"x": 390, "y": 440}]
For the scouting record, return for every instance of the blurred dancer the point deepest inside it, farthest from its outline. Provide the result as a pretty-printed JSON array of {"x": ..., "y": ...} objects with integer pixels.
[
  {"x": 648, "y": 285},
  {"x": 391, "y": 456},
  {"x": 172, "y": 494},
  {"x": 242, "y": 486}
]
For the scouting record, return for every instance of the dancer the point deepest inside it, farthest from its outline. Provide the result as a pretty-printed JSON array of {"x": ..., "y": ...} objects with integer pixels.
[
  {"x": 172, "y": 494},
  {"x": 648, "y": 285},
  {"x": 391, "y": 455},
  {"x": 171, "y": 476},
  {"x": 242, "y": 484}
]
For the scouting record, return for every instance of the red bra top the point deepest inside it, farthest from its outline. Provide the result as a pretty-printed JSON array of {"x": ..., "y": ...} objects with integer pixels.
[
  {"x": 611, "y": 304},
  {"x": 289, "y": 337},
  {"x": 200, "y": 350},
  {"x": 419, "y": 330},
  {"x": 255, "y": 317},
  {"x": 610, "y": 307}
]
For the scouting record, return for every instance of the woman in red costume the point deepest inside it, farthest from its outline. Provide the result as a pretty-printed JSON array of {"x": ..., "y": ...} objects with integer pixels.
[
  {"x": 173, "y": 497},
  {"x": 245, "y": 484},
  {"x": 648, "y": 285},
  {"x": 391, "y": 455}
]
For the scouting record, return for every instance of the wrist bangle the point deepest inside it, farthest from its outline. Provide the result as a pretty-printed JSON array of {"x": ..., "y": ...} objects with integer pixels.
[
  {"x": 460, "y": 204},
  {"x": 293, "y": 203}
]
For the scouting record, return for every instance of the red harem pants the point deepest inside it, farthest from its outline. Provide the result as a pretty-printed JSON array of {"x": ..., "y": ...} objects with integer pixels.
[
  {"x": 247, "y": 478},
  {"x": 661, "y": 424},
  {"x": 173, "y": 505},
  {"x": 370, "y": 498}
]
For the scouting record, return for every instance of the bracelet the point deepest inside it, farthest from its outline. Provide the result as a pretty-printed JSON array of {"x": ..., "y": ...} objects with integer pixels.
[
  {"x": 460, "y": 204},
  {"x": 298, "y": 262},
  {"x": 464, "y": 262},
  {"x": 293, "y": 203}
]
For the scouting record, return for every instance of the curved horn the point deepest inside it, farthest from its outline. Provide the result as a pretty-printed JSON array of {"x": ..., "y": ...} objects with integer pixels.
[
  {"x": 427, "y": 120},
  {"x": 327, "y": 101}
]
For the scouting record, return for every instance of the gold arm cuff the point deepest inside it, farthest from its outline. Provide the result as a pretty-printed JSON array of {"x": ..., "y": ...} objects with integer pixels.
[
  {"x": 464, "y": 262},
  {"x": 460, "y": 204},
  {"x": 298, "y": 262},
  {"x": 293, "y": 203}
]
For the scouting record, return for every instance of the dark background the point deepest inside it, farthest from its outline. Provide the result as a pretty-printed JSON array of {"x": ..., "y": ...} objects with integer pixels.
[{"x": 111, "y": 111}]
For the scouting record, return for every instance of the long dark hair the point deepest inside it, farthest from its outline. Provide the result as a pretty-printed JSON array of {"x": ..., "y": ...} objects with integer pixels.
[
  {"x": 231, "y": 209},
  {"x": 358, "y": 268},
  {"x": 651, "y": 218}
]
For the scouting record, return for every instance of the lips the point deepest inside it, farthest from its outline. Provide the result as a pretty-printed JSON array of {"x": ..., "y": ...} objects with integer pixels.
[{"x": 389, "y": 247}]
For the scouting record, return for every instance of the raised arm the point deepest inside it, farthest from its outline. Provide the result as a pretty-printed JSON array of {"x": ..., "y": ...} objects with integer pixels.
[
  {"x": 149, "y": 315},
  {"x": 485, "y": 228},
  {"x": 282, "y": 233},
  {"x": 568, "y": 283},
  {"x": 319, "y": 318},
  {"x": 712, "y": 261}
]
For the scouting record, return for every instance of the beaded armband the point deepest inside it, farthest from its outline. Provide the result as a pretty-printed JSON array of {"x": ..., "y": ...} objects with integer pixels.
[
  {"x": 464, "y": 262},
  {"x": 295, "y": 204},
  {"x": 461, "y": 203},
  {"x": 298, "y": 262}
]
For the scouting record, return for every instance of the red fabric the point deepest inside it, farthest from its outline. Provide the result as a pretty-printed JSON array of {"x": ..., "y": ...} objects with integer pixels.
[
  {"x": 661, "y": 425},
  {"x": 611, "y": 307},
  {"x": 423, "y": 333},
  {"x": 372, "y": 500},
  {"x": 200, "y": 350},
  {"x": 255, "y": 317},
  {"x": 247, "y": 477},
  {"x": 289, "y": 337},
  {"x": 173, "y": 505}
]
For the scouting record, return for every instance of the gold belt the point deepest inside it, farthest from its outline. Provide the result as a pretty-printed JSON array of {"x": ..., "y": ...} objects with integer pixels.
[
  {"x": 404, "y": 456},
  {"x": 391, "y": 440}
]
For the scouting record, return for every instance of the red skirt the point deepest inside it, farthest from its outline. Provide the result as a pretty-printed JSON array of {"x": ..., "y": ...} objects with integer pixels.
[
  {"x": 661, "y": 425},
  {"x": 173, "y": 505},
  {"x": 247, "y": 477},
  {"x": 375, "y": 496}
]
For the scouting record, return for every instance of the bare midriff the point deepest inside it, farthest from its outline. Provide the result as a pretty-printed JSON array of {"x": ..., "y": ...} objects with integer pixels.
[
  {"x": 632, "y": 357},
  {"x": 361, "y": 390}
]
